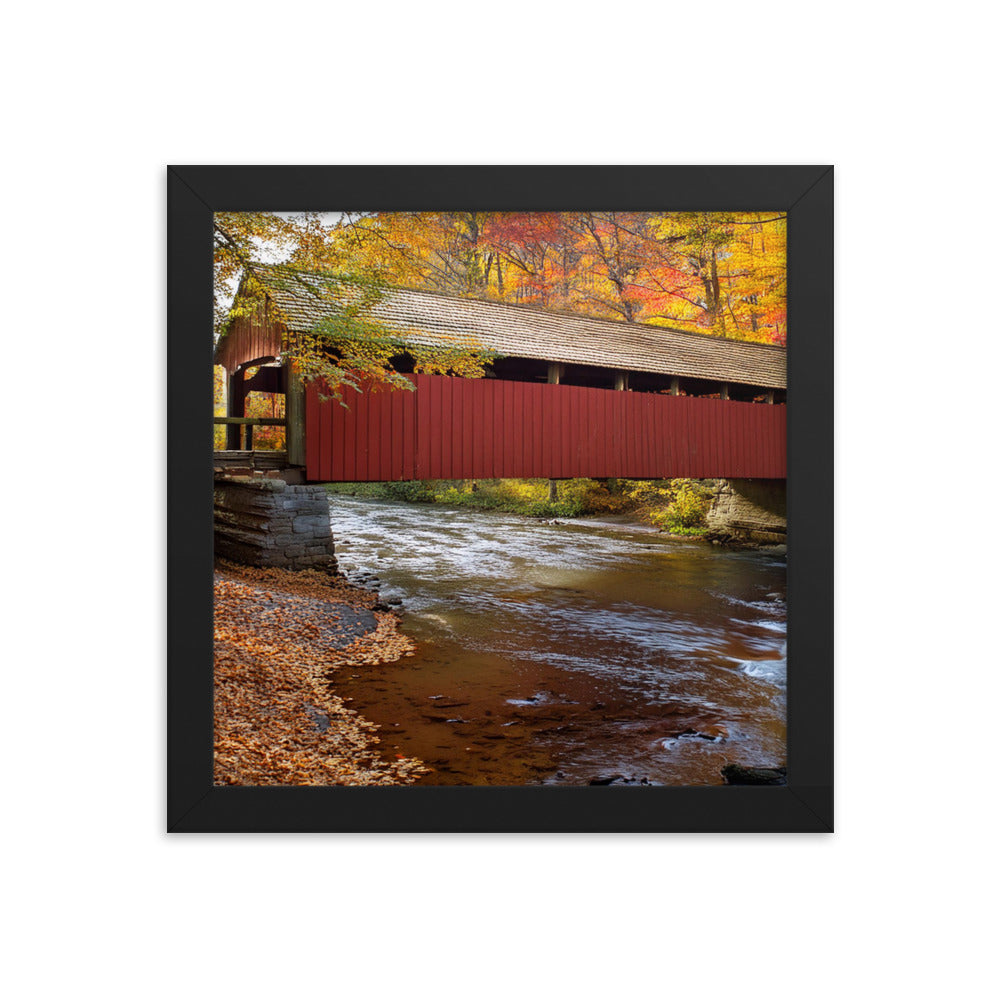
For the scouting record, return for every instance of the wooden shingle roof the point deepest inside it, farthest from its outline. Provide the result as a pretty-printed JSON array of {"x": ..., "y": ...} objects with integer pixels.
[{"x": 428, "y": 318}]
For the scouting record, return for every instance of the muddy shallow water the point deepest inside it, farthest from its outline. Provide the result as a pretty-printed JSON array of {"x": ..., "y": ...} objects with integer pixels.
[{"x": 564, "y": 653}]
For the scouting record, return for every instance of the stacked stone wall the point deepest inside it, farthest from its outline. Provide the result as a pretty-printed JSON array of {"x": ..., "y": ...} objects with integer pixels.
[
  {"x": 267, "y": 522},
  {"x": 748, "y": 510}
]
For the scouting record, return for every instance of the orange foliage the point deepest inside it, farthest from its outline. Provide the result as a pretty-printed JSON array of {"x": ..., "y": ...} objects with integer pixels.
[{"x": 718, "y": 273}]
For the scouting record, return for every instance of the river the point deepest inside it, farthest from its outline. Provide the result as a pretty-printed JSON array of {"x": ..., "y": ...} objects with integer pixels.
[{"x": 567, "y": 652}]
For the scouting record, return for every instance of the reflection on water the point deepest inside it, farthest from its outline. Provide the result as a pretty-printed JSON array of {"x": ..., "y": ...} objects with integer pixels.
[{"x": 567, "y": 652}]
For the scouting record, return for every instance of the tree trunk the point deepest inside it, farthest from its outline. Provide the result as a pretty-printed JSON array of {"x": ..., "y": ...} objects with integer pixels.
[{"x": 717, "y": 311}]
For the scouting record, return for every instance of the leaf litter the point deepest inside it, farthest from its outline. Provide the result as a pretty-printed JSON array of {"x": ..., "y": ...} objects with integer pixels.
[{"x": 280, "y": 638}]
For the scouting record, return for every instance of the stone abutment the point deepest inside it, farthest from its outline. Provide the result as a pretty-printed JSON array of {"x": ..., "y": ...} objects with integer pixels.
[
  {"x": 267, "y": 522},
  {"x": 750, "y": 511}
]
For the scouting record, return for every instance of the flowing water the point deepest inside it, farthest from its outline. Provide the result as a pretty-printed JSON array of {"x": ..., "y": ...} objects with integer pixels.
[{"x": 567, "y": 652}]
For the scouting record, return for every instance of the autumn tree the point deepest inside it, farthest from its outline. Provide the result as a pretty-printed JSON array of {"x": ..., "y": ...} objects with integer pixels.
[
  {"x": 715, "y": 273},
  {"x": 346, "y": 346},
  {"x": 438, "y": 251}
]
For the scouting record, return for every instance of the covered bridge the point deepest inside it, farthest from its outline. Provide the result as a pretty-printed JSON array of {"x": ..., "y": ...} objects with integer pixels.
[{"x": 569, "y": 395}]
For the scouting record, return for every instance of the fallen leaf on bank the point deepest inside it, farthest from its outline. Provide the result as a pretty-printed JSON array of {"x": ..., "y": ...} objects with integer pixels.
[{"x": 272, "y": 661}]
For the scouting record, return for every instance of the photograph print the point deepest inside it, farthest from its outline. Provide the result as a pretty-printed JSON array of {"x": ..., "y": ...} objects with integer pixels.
[{"x": 499, "y": 498}]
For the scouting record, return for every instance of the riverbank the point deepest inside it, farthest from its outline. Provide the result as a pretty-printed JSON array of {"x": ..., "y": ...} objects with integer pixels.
[
  {"x": 280, "y": 637},
  {"x": 673, "y": 506}
]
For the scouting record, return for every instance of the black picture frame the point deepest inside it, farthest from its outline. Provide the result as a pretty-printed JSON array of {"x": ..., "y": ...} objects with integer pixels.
[{"x": 805, "y": 804}]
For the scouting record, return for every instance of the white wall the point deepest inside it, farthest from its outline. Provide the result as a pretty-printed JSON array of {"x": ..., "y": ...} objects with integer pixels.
[{"x": 101, "y": 98}]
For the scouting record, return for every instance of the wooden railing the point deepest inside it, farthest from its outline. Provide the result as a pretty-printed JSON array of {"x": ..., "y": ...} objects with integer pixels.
[{"x": 246, "y": 426}]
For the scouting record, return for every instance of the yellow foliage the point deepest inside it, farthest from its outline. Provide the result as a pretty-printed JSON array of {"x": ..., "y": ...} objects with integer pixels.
[{"x": 718, "y": 273}]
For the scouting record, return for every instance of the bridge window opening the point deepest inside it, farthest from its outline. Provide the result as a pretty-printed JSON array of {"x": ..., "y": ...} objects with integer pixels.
[
  {"x": 402, "y": 363},
  {"x": 701, "y": 387},
  {"x": 521, "y": 369},
  {"x": 268, "y": 377},
  {"x": 736, "y": 393},
  {"x": 270, "y": 405},
  {"x": 256, "y": 390},
  {"x": 744, "y": 393},
  {"x": 760, "y": 394},
  {"x": 651, "y": 382},
  {"x": 589, "y": 376},
  {"x": 592, "y": 376}
]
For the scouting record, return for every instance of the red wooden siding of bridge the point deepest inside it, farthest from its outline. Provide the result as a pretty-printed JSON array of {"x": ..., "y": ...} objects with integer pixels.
[{"x": 454, "y": 428}]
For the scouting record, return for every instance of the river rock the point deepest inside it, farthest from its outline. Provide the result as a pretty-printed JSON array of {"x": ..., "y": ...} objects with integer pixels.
[
  {"x": 736, "y": 774},
  {"x": 712, "y": 732},
  {"x": 619, "y": 779},
  {"x": 319, "y": 718}
]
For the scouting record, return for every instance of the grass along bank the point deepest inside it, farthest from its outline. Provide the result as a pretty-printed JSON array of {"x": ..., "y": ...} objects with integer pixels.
[{"x": 675, "y": 506}]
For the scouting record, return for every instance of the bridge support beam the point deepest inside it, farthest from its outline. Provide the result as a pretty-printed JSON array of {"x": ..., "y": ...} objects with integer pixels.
[
  {"x": 556, "y": 372},
  {"x": 235, "y": 407},
  {"x": 748, "y": 511},
  {"x": 295, "y": 416}
]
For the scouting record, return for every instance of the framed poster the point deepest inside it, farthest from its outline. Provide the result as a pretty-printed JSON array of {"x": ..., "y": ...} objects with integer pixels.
[{"x": 229, "y": 773}]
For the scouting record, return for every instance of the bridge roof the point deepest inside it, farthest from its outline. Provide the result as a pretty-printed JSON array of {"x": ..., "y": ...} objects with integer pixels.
[{"x": 429, "y": 318}]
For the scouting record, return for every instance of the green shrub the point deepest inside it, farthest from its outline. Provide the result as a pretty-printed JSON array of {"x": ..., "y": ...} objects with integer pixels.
[
  {"x": 677, "y": 505},
  {"x": 553, "y": 508},
  {"x": 594, "y": 496},
  {"x": 412, "y": 491},
  {"x": 686, "y": 510},
  {"x": 376, "y": 490},
  {"x": 453, "y": 493},
  {"x": 646, "y": 493}
]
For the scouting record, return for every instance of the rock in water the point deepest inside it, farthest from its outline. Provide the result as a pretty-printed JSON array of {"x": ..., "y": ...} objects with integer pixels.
[
  {"x": 738, "y": 775},
  {"x": 619, "y": 779}
]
